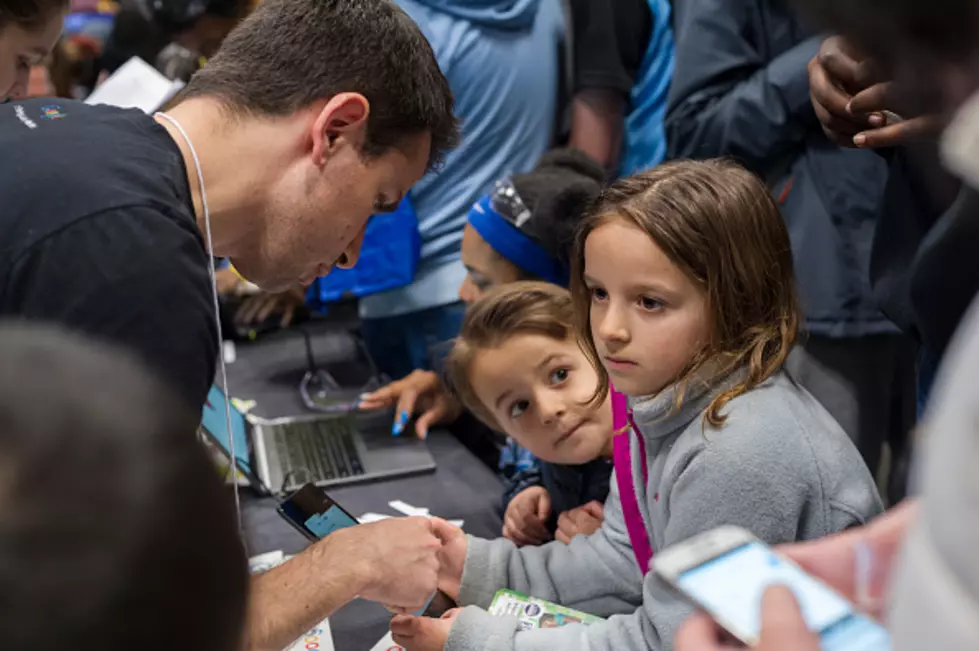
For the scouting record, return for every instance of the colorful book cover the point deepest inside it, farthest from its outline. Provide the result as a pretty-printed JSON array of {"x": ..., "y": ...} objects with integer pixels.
[{"x": 537, "y": 613}]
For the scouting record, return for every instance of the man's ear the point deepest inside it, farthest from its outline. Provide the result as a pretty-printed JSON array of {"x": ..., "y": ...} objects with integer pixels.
[{"x": 341, "y": 122}]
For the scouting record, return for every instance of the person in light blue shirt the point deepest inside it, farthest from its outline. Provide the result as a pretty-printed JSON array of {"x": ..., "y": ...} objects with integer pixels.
[{"x": 502, "y": 59}]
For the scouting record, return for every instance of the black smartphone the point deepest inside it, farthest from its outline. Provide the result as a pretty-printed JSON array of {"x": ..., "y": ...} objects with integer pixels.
[{"x": 314, "y": 514}]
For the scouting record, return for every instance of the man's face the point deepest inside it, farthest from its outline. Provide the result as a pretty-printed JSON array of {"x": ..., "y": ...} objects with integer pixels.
[{"x": 317, "y": 212}]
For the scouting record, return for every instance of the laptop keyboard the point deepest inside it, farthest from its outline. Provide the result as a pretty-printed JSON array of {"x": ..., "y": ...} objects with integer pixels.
[{"x": 323, "y": 449}]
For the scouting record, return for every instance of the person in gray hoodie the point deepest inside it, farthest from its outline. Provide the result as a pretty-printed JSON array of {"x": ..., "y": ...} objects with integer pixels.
[{"x": 685, "y": 299}]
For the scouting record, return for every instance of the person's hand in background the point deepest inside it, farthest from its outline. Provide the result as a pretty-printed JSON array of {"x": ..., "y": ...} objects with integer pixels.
[
  {"x": 419, "y": 392},
  {"x": 256, "y": 309},
  {"x": 836, "y": 74},
  {"x": 582, "y": 521},
  {"x": 525, "y": 520},
  {"x": 423, "y": 633},
  {"x": 782, "y": 628},
  {"x": 856, "y": 106},
  {"x": 881, "y": 99},
  {"x": 835, "y": 559},
  {"x": 227, "y": 281}
]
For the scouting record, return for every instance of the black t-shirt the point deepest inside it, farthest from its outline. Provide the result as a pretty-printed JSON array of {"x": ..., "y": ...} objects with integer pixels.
[
  {"x": 97, "y": 233},
  {"x": 610, "y": 40}
]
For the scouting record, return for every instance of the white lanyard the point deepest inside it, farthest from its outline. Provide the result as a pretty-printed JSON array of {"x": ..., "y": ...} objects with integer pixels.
[{"x": 233, "y": 470}]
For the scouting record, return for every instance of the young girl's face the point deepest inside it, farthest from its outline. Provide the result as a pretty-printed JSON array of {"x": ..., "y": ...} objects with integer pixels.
[
  {"x": 648, "y": 319},
  {"x": 537, "y": 390}
]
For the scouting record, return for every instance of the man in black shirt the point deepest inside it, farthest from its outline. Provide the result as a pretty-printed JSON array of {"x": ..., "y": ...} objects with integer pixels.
[{"x": 314, "y": 115}]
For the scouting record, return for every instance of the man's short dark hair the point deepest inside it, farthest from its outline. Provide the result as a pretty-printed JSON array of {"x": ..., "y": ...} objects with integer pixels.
[
  {"x": 115, "y": 529},
  {"x": 945, "y": 28},
  {"x": 290, "y": 53}
]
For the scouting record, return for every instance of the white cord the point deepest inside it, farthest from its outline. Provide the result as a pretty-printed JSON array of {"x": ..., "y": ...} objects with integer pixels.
[{"x": 233, "y": 470}]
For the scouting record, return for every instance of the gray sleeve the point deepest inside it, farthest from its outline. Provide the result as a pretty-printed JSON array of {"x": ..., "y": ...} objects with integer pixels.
[
  {"x": 597, "y": 574},
  {"x": 727, "y": 98}
]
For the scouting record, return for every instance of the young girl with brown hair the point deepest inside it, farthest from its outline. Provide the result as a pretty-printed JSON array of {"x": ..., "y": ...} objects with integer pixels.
[{"x": 685, "y": 302}]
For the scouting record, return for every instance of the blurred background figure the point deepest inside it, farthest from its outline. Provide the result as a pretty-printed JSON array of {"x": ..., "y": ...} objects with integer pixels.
[
  {"x": 502, "y": 60},
  {"x": 176, "y": 36},
  {"x": 742, "y": 90},
  {"x": 29, "y": 30},
  {"x": 101, "y": 477},
  {"x": 622, "y": 67}
]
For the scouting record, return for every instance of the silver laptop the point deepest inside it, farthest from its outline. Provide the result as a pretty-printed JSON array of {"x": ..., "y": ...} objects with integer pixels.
[{"x": 280, "y": 455}]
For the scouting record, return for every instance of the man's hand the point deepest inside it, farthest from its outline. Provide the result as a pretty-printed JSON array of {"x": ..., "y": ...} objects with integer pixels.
[
  {"x": 525, "y": 520},
  {"x": 836, "y": 74},
  {"x": 782, "y": 628},
  {"x": 423, "y": 633},
  {"x": 397, "y": 560},
  {"x": 259, "y": 307},
  {"x": 419, "y": 391},
  {"x": 582, "y": 521},
  {"x": 451, "y": 557}
]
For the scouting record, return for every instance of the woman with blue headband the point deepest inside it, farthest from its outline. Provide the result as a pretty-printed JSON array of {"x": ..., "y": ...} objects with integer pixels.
[{"x": 521, "y": 230}]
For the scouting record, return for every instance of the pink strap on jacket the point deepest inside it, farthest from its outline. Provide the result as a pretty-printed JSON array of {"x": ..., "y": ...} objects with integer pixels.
[{"x": 622, "y": 456}]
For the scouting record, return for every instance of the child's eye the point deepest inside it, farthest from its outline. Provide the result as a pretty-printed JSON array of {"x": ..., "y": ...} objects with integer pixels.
[
  {"x": 650, "y": 303},
  {"x": 559, "y": 375},
  {"x": 23, "y": 64},
  {"x": 518, "y": 408},
  {"x": 598, "y": 294}
]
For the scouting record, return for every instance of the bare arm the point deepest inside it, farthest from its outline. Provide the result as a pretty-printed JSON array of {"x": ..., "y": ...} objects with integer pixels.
[
  {"x": 294, "y": 597},
  {"x": 394, "y": 562},
  {"x": 597, "y": 119}
]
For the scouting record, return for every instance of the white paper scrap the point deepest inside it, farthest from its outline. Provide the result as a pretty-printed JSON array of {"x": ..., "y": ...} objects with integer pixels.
[
  {"x": 408, "y": 509},
  {"x": 457, "y": 523},
  {"x": 387, "y": 644},
  {"x": 263, "y": 562},
  {"x": 373, "y": 517},
  {"x": 136, "y": 84},
  {"x": 230, "y": 351}
]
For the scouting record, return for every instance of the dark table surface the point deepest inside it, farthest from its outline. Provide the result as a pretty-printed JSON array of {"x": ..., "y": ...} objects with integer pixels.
[{"x": 269, "y": 372}]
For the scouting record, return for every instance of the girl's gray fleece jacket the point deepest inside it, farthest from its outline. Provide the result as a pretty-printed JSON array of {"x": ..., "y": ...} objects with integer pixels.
[{"x": 780, "y": 467}]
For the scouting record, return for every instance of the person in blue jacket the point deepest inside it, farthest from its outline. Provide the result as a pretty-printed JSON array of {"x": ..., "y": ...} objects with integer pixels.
[
  {"x": 502, "y": 60},
  {"x": 741, "y": 90}
]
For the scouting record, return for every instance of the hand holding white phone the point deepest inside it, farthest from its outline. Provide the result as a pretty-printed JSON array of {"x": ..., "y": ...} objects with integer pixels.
[{"x": 726, "y": 571}]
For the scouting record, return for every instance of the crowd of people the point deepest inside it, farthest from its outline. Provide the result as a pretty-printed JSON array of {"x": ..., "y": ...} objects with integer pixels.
[{"x": 683, "y": 263}]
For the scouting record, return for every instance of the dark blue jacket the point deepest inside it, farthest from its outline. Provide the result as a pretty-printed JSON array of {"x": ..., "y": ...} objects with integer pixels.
[{"x": 741, "y": 90}]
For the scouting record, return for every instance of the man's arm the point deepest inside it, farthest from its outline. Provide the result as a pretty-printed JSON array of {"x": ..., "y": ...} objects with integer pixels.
[
  {"x": 132, "y": 276},
  {"x": 727, "y": 99},
  {"x": 394, "y": 562},
  {"x": 292, "y": 598}
]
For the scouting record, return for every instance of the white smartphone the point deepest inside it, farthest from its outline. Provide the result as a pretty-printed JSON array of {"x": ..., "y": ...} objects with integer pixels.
[{"x": 725, "y": 572}]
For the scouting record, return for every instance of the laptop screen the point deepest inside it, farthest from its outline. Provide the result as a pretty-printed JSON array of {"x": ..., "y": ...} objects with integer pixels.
[{"x": 215, "y": 423}]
